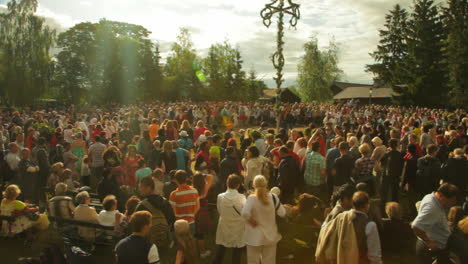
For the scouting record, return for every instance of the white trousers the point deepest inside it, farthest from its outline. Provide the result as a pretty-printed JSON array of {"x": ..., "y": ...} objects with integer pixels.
[{"x": 261, "y": 254}]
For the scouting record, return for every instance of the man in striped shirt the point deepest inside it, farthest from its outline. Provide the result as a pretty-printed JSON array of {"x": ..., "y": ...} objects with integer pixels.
[{"x": 184, "y": 199}]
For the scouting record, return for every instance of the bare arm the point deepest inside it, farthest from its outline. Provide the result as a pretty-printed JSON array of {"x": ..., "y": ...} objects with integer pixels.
[{"x": 179, "y": 257}]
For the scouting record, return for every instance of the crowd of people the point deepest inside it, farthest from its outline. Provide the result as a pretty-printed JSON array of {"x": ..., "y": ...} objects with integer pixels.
[{"x": 372, "y": 182}]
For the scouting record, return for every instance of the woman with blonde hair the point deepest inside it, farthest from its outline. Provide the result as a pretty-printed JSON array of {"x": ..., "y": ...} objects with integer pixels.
[
  {"x": 168, "y": 157},
  {"x": 10, "y": 206},
  {"x": 354, "y": 147},
  {"x": 364, "y": 167},
  {"x": 261, "y": 232},
  {"x": 171, "y": 130},
  {"x": 185, "y": 126},
  {"x": 187, "y": 252},
  {"x": 199, "y": 130}
]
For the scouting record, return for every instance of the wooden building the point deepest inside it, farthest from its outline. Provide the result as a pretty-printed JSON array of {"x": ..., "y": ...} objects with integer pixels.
[
  {"x": 338, "y": 87},
  {"x": 363, "y": 94},
  {"x": 286, "y": 96}
]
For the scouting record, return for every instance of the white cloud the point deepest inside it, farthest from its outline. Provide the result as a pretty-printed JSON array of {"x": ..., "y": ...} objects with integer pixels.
[
  {"x": 86, "y": 3},
  {"x": 353, "y": 24}
]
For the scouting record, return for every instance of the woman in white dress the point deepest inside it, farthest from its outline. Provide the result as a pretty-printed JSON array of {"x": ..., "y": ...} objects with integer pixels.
[
  {"x": 261, "y": 232},
  {"x": 231, "y": 225},
  {"x": 253, "y": 164}
]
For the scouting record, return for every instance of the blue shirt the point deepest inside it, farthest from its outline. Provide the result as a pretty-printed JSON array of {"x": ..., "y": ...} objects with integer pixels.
[
  {"x": 181, "y": 157},
  {"x": 136, "y": 250},
  {"x": 432, "y": 219}
]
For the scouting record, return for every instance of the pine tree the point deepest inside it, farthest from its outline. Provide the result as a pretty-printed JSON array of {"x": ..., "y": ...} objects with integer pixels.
[
  {"x": 428, "y": 84},
  {"x": 456, "y": 51},
  {"x": 392, "y": 52},
  {"x": 239, "y": 77}
]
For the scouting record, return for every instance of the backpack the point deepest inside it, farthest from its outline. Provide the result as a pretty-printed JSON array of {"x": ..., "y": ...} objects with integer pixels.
[
  {"x": 281, "y": 223},
  {"x": 160, "y": 231}
]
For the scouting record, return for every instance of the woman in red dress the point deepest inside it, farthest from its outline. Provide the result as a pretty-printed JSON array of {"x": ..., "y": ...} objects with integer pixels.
[{"x": 131, "y": 165}]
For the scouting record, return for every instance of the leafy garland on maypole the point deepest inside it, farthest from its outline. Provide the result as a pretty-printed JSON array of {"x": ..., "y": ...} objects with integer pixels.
[{"x": 292, "y": 9}]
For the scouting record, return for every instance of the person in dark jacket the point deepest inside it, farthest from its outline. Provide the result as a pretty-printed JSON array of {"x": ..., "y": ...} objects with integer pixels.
[
  {"x": 428, "y": 174},
  {"x": 227, "y": 167},
  {"x": 443, "y": 152},
  {"x": 332, "y": 155},
  {"x": 343, "y": 167},
  {"x": 289, "y": 176},
  {"x": 108, "y": 185},
  {"x": 161, "y": 136},
  {"x": 397, "y": 236},
  {"x": 408, "y": 182},
  {"x": 455, "y": 170},
  {"x": 392, "y": 163},
  {"x": 41, "y": 158},
  {"x": 146, "y": 188}
]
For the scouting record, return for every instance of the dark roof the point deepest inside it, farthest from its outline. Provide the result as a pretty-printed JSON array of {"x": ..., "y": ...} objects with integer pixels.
[
  {"x": 286, "y": 95},
  {"x": 363, "y": 92}
]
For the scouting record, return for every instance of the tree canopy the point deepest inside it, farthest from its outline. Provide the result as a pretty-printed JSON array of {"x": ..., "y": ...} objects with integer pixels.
[
  {"x": 25, "y": 43},
  {"x": 111, "y": 61},
  {"x": 317, "y": 70},
  {"x": 423, "y": 54}
]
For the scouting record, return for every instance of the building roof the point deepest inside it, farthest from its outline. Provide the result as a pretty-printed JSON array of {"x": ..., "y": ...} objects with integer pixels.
[
  {"x": 269, "y": 93},
  {"x": 363, "y": 92},
  {"x": 344, "y": 85}
]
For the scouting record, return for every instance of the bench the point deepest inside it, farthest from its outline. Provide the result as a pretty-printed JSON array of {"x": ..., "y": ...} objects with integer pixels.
[{"x": 68, "y": 229}]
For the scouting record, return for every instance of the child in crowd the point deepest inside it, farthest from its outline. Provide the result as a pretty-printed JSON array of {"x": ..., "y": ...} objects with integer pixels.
[
  {"x": 67, "y": 178},
  {"x": 158, "y": 176},
  {"x": 85, "y": 172},
  {"x": 187, "y": 251}
]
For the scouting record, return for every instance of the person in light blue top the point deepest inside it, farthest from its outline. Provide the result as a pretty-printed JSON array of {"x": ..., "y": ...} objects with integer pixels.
[
  {"x": 143, "y": 171},
  {"x": 431, "y": 225},
  {"x": 182, "y": 157},
  {"x": 185, "y": 141}
]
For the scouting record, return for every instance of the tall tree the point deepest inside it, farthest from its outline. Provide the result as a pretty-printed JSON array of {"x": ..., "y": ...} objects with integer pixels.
[
  {"x": 392, "y": 52},
  {"x": 224, "y": 70},
  {"x": 152, "y": 75},
  {"x": 254, "y": 86},
  {"x": 239, "y": 86},
  {"x": 317, "y": 70},
  {"x": 428, "y": 84},
  {"x": 73, "y": 67},
  {"x": 182, "y": 64},
  {"x": 106, "y": 62},
  {"x": 456, "y": 51},
  {"x": 26, "y": 43}
]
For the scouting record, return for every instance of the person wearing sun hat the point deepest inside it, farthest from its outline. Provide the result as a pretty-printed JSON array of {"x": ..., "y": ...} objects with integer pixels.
[{"x": 185, "y": 141}]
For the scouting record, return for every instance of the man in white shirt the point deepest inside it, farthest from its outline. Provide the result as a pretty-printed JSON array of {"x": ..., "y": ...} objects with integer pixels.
[
  {"x": 13, "y": 158},
  {"x": 108, "y": 215}
]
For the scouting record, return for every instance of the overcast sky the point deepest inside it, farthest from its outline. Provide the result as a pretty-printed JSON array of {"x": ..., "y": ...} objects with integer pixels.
[{"x": 352, "y": 23}]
